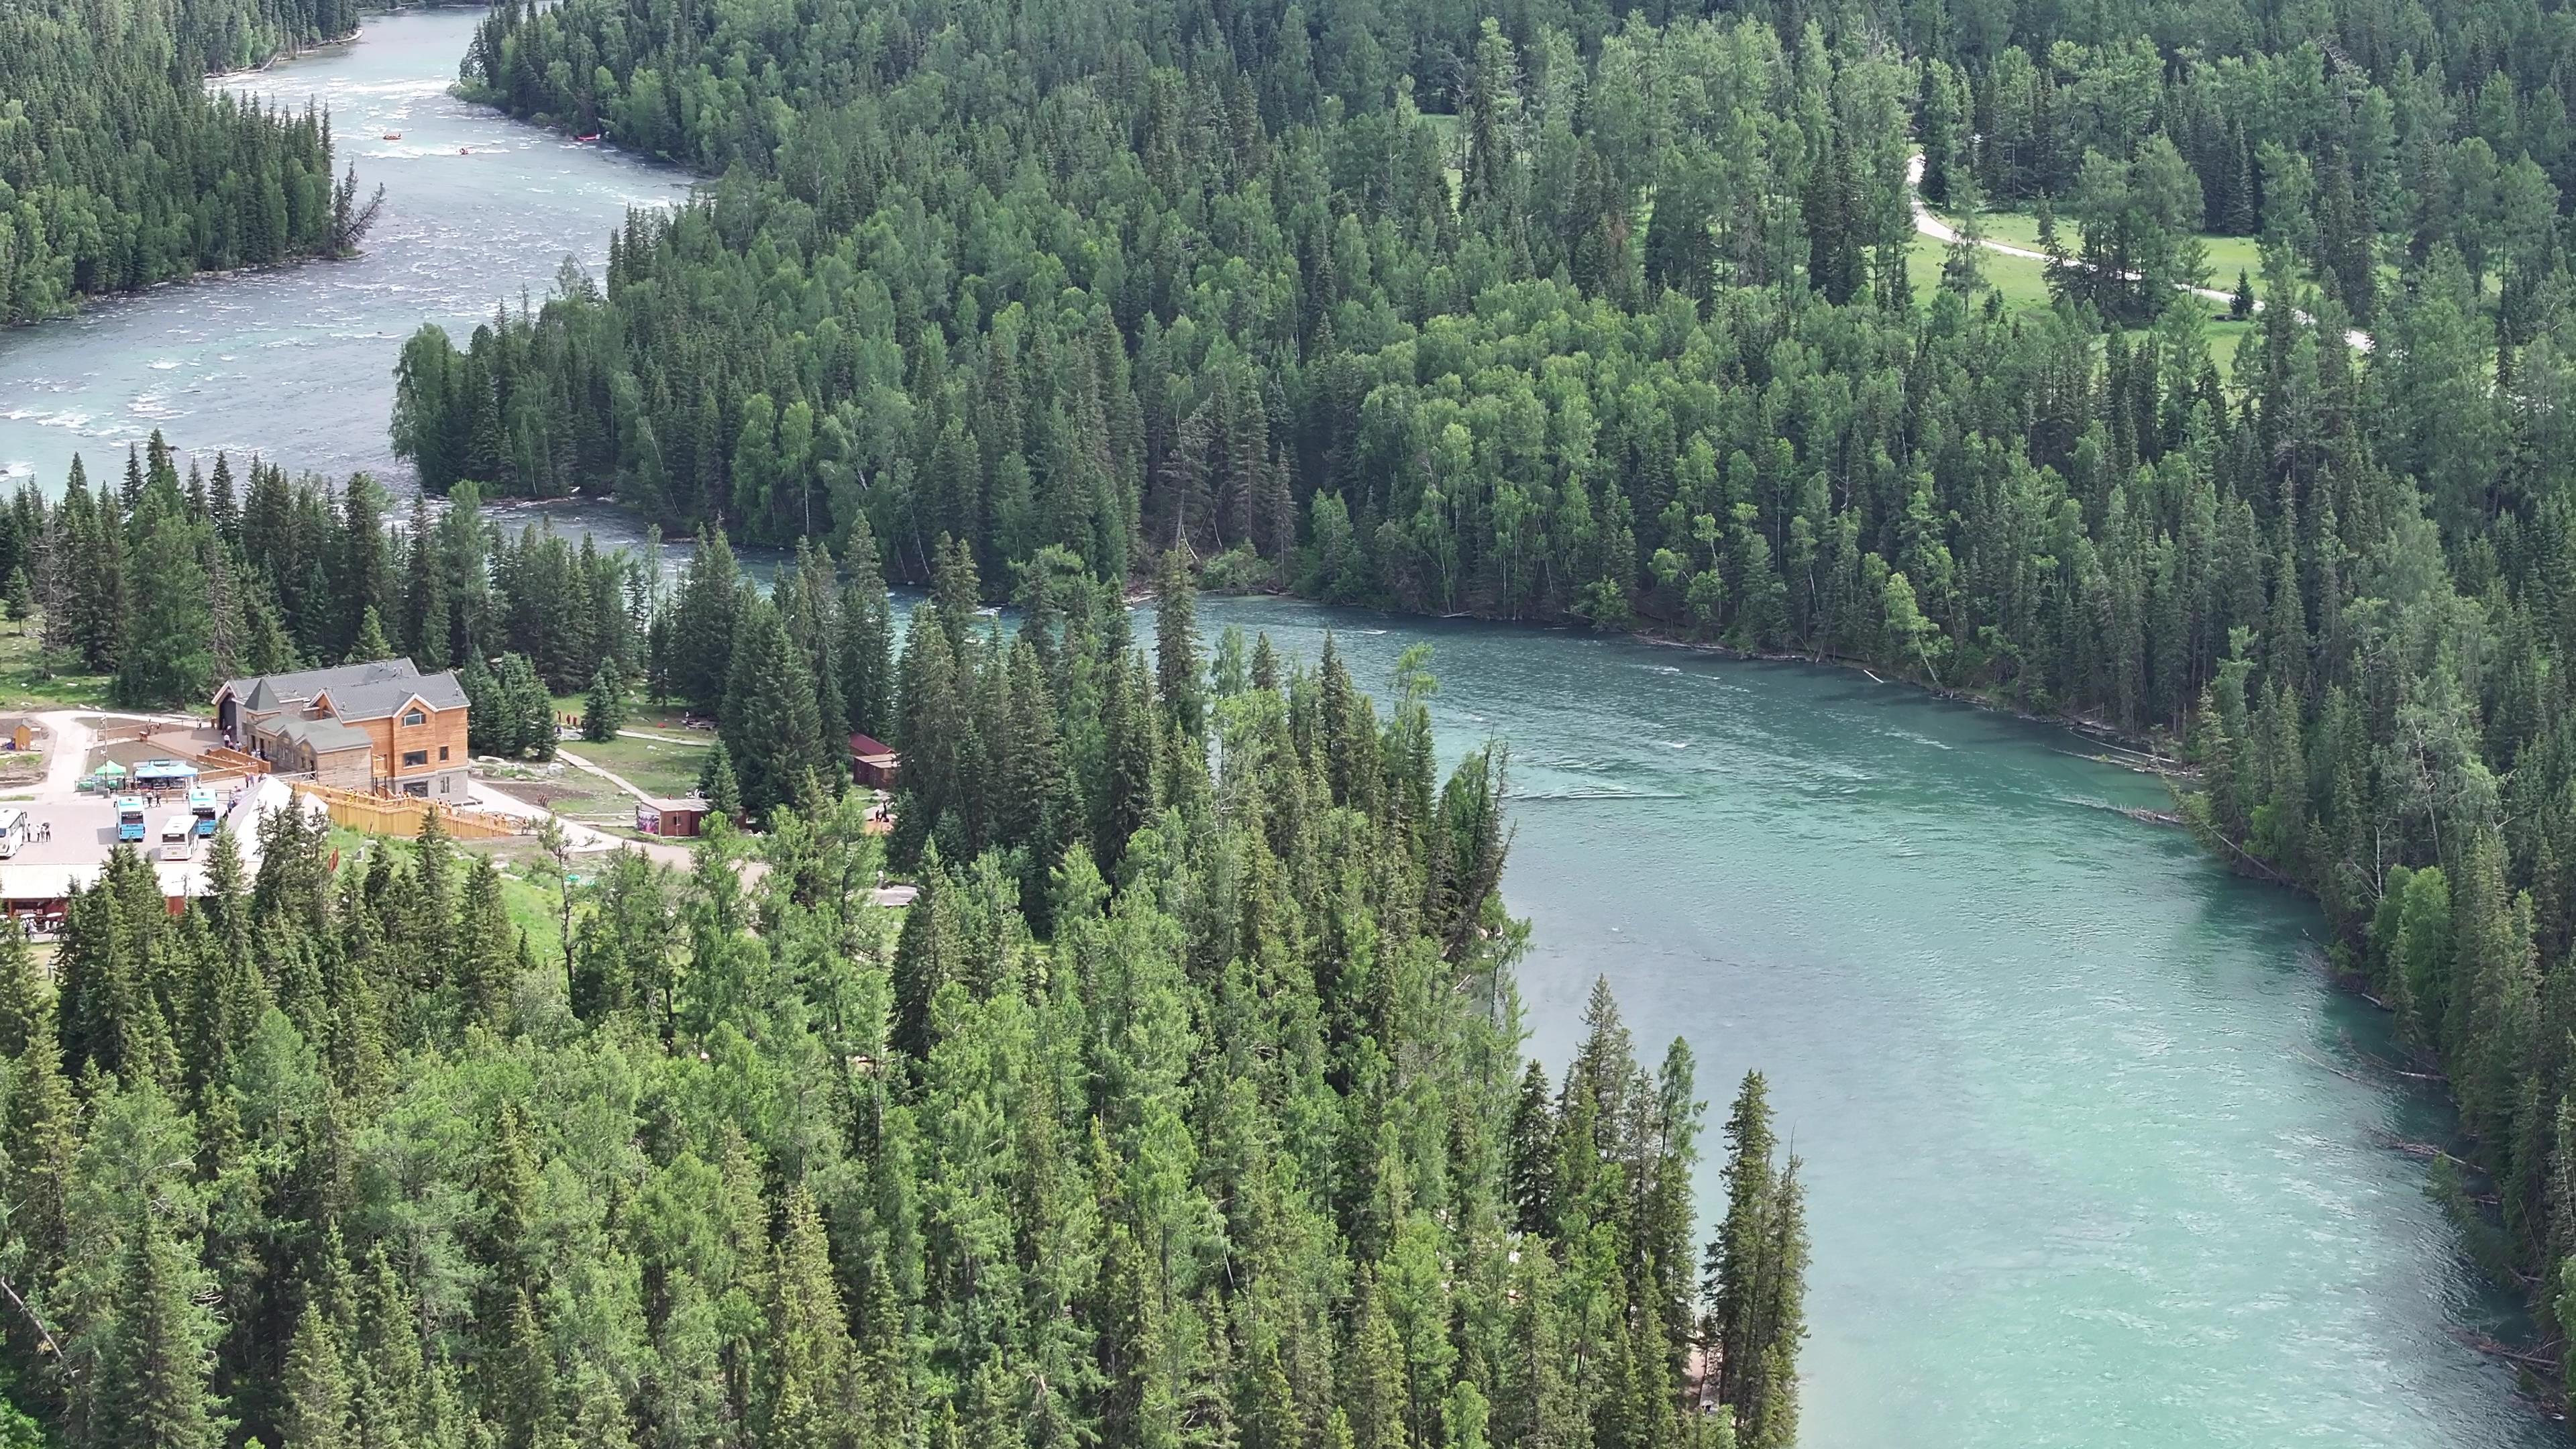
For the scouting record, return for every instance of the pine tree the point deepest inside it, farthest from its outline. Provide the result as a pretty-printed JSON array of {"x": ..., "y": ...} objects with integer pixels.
[
  {"x": 770, "y": 724},
  {"x": 604, "y": 712},
  {"x": 43, "y": 1126},
  {"x": 370, "y": 644},
  {"x": 1755, "y": 1279},
  {"x": 718, "y": 784},
  {"x": 22, "y": 994},
  {"x": 318, "y": 1393},
  {"x": 169, "y": 657},
  {"x": 1176, "y": 645},
  {"x": 152, "y": 1385},
  {"x": 704, "y": 623},
  {"x": 809, "y": 1397}
]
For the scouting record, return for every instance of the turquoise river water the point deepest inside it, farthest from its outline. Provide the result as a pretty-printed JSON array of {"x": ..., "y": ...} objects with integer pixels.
[{"x": 2095, "y": 1156}]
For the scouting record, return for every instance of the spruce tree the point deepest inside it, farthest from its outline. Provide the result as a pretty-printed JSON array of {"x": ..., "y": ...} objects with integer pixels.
[
  {"x": 718, "y": 783},
  {"x": 604, "y": 711},
  {"x": 485, "y": 961},
  {"x": 809, "y": 1397},
  {"x": 1755, "y": 1279},
  {"x": 526, "y": 709},
  {"x": 1375, "y": 1395},
  {"x": 22, "y": 993},
  {"x": 43, "y": 1134},
  {"x": 318, "y": 1391},
  {"x": 153, "y": 1382},
  {"x": 1773, "y": 1420},
  {"x": 169, "y": 657},
  {"x": 1176, "y": 644},
  {"x": 704, "y": 623},
  {"x": 390, "y": 1397},
  {"x": 866, "y": 672},
  {"x": 370, "y": 644},
  {"x": 770, "y": 725}
]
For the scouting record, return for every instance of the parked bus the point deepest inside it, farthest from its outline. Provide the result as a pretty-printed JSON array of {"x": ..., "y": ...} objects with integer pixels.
[
  {"x": 179, "y": 838},
  {"x": 201, "y": 804},
  {"x": 129, "y": 817},
  {"x": 14, "y": 832}
]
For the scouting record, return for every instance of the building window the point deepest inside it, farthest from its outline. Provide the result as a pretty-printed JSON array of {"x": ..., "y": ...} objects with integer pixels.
[
  {"x": 412, "y": 758},
  {"x": 442, "y": 752},
  {"x": 443, "y": 784},
  {"x": 415, "y": 718},
  {"x": 417, "y": 787}
]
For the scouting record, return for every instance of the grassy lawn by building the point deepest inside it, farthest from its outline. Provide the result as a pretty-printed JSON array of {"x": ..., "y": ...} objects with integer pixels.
[
  {"x": 2227, "y": 255},
  {"x": 25, "y": 684},
  {"x": 2023, "y": 284},
  {"x": 573, "y": 793},
  {"x": 665, "y": 766}
]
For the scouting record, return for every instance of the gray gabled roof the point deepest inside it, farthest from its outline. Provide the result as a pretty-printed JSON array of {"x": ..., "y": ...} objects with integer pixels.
[
  {"x": 266, "y": 691},
  {"x": 378, "y": 698},
  {"x": 356, "y": 691},
  {"x": 322, "y": 736}
]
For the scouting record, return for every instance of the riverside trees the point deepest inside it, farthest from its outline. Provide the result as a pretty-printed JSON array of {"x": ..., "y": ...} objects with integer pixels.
[
  {"x": 167, "y": 584},
  {"x": 1219, "y": 1135},
  {"x": 1600, "y": 313},
  {"x": 119, "y": 169}
]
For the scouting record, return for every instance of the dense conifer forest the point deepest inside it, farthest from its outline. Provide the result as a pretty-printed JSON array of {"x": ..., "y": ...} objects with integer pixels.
[
  {"x": 1183, "y": 1106},
  {"x": 1605, "y": 314},
  {"x": 119, "y": 169},
  {"x": 1556, "y": 314}
]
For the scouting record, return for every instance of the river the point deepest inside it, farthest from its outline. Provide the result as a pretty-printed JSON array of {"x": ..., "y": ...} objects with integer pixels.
[
  {"x": 296, "y": 363},
  {"x": 2094, "y": 1155}
]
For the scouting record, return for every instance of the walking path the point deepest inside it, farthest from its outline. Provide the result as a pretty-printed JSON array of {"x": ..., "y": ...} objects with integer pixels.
[
  {"x": 586, "y": 839},
  {"x": 1930, "y": 224},
  {"x": 611, "y": 776},
  {"x": 69, "y": 740}
]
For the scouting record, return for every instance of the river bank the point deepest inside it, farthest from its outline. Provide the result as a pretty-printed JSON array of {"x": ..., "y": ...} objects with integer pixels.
[
  {"x": 297, "y": 363},
  {"x": 2094, "y": 1154}
]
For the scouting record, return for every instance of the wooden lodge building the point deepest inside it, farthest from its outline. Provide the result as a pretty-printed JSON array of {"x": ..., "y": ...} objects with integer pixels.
[
  {"x": 381, "y": 726},
  {"x": 873, "y": 762}
]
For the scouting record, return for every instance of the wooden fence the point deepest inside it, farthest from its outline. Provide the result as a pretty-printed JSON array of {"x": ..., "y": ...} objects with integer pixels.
[
  {"x": 221, "y": 761},
  {"x": 402, "y": 814}
]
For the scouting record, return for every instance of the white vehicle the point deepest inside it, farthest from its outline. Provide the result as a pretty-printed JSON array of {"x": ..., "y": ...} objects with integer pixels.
[
  {"x": 179, "y": 837},
  {"x": 14, "y": 832}
]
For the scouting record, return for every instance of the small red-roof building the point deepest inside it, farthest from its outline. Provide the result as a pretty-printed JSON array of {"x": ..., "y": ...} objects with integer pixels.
[
  {"x": 671, "y": 819},
  {"x": 874, "y": 762}
]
